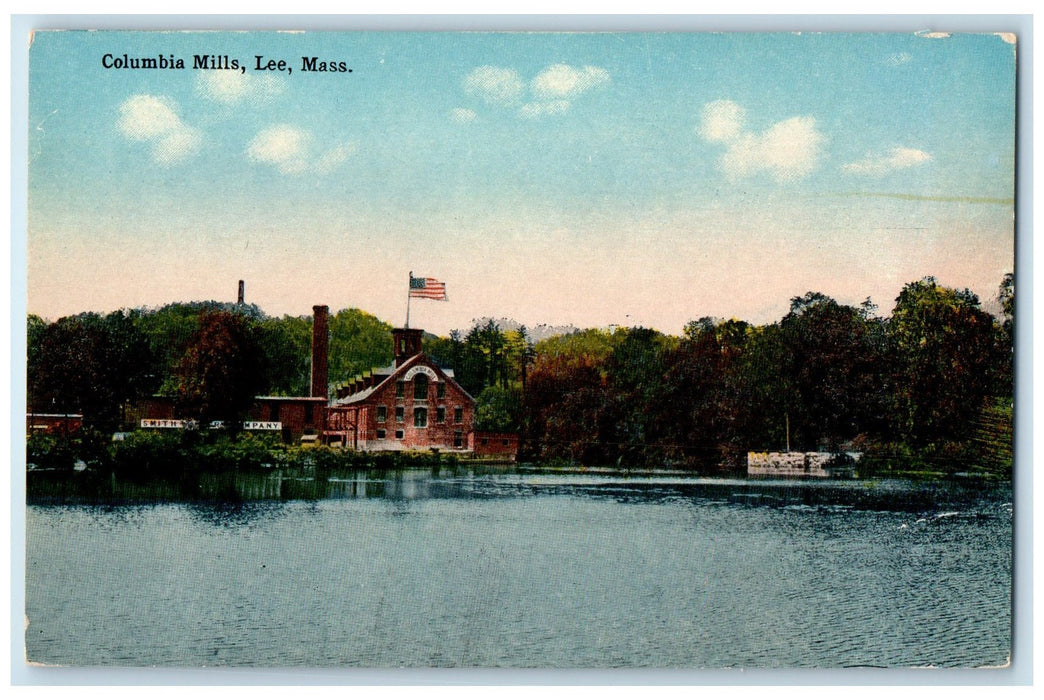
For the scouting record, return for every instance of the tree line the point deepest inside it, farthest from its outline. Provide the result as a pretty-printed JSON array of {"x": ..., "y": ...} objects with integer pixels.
[
  {"x": 931, "y": 383},
  {"x": 211, "y": 357}
]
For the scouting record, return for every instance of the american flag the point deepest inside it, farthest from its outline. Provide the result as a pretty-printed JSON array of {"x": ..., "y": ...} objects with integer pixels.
[{"x": 427, "y": 288}]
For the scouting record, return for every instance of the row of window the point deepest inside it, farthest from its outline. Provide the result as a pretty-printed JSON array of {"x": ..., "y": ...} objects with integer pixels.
[
  {"x": 458, "y": 436},
  {"x": 420, "y": 388},
  {"x": 420, "y": 415}
]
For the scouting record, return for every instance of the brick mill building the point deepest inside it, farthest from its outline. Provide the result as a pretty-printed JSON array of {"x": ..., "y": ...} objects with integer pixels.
[{"x": 412, "y": 405}]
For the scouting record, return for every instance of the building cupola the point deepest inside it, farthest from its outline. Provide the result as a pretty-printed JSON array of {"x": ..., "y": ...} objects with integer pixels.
[{"x": 407, "y": 343}]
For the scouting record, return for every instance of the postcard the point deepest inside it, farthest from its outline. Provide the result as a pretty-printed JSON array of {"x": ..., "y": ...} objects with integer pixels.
[{"x": 530, "y": 350}]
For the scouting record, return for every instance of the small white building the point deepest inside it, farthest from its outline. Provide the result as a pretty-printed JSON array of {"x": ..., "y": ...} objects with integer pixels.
[{"x": 800, "y": 464}]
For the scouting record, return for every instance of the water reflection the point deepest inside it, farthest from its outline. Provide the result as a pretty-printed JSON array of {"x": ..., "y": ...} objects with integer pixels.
[
  {"x": 233, "y": 515},
  {"x": 485, "y": 483}
]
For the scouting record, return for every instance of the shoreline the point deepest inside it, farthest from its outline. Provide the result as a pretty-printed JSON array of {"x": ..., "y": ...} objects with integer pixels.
[{"x": 463, "y": 480}]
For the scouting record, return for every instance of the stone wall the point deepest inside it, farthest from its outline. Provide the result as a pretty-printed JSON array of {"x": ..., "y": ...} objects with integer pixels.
[{"x": 793, "y": 464}]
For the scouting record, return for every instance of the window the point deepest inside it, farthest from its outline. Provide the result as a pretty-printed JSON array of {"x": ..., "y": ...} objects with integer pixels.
[
  {"x": 484, "y": 441},
  {"x": 440, "y": 414},
  {"x": 400, "y": 389},
  {"x": 458, "y": 438},
  {"x": 458, "y": 414},
  {"x": 308, "y": 412},
  {"x": 441, "y": 390},
  {"x": 273, "y": 412},
  {"x": 382, "y": 414},
  {"x": 400, "y": 414},
  {"x": 381, "y": 433},
  {"x": 504, "y": 443},
  {"x": 420, "y": 418},
  {"x": 399, "y": 434},
  {"x": 420, "y": 387}
]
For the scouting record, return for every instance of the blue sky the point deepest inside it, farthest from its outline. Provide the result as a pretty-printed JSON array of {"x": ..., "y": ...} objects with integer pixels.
[{"x": 592, "y": 179}]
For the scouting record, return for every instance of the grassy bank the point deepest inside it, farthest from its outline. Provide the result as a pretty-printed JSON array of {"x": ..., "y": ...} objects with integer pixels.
[
  {"x": 196, "y": 463},
  {"x": 170, "y": 455}
]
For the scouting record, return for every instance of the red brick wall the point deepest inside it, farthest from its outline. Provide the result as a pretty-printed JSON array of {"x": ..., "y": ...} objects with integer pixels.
[
  {"x": 493, "y": 444},
  {"x": 436, "y": 434},
  {"x": 348, "y": 424},
  {"x": 292, "y": 412},
  {"x": 161, "y": 407},
  {"x": 53, "y": 423}
]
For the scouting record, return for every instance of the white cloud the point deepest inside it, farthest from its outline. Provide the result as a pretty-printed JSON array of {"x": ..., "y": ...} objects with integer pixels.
[
  {"x": 462, "y": 115},
  {"x": 899, "y": 158},
  {"x": 552, "y": 91},
  {"x": 292, "y": 151},
  {"x": 334, "y": 158},
  {"x": 144, "y": 117},
  {"x": 561, "y": 81},
  {"x": 722, "y": 120},
  {"x": 533, "y": 110},
  {"x": 233, "y": 87},
  {"x": 791, "y": 149},
  {"x": 155, "y": 120},
  {"x": 787, "y": 150},
  {"x": 283, "y": 146},
  {"x": 494, "y": 85},
  {"x": 176, "y": 146}
]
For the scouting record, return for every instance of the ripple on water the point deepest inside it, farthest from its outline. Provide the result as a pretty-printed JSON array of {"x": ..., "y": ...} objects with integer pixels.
[{"x": 528, "y": 574}]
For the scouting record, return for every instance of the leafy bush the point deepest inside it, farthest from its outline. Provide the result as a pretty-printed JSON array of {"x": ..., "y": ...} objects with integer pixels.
[
  {"x": 161, "y": 454},
  {"x": 48, "y": 452}
]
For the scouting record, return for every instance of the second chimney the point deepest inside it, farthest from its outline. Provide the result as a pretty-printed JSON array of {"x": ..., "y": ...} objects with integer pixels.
[{"x": 320, "y": 344}]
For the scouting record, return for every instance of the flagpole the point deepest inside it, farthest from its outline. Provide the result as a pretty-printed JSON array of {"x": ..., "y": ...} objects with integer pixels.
[{"x": 409, "y": 288}]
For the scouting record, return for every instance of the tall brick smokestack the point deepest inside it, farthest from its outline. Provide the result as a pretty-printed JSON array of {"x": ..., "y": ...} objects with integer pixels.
[
  {"x": 242, "y": 293},
  {"x": 320, "y": 343}
]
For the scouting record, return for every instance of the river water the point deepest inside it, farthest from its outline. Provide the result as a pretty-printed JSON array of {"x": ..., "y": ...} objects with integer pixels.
[{"x": 468, "y": 569}]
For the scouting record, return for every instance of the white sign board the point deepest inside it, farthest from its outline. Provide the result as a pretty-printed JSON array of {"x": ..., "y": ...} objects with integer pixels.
[
  {"x": 181, "y": 424},
  {"x": 161, "y": 423}
]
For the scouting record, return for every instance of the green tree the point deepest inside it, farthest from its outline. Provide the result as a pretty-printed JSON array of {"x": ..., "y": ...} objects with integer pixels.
[
  {"x": 170, "y": 329},
  {"x": 446, "y": 352},
  {"x": 359, "y": 341},
  {"x": 1005, "y": 374},
  {"x": 565, "y": 397},
  {"x": 634, "y": 373},
  {"x": 89, "y": 363},
  {"x": 701, "y": 407},
  {"x": 523, "y": 352},
  {"x": 498, "y": 410},
  {"x": 765, "y": 389},
  {"x": 35, "y": 330},
  {"x": 1006, "y": 297},
  {"x": 564, "y": 405},
  {"x": 592, "y": 346},
  {"x": 835, "y": 363},
  {"x": 286, "y": 343},
  {"x": 222, "y": 369},
  {"x": 944, "y": 345},
  {"x": 480, "y": 359}
]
